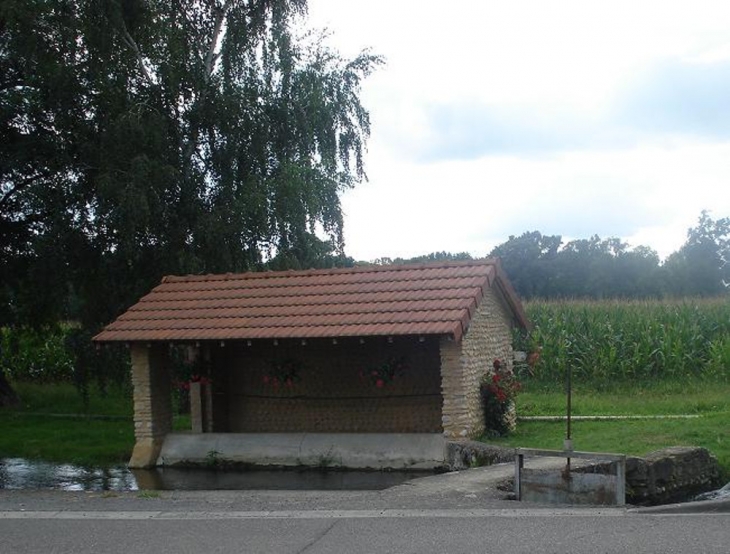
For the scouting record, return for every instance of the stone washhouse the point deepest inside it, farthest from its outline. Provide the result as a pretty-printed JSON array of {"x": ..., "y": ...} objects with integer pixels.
[{"x": 372, "y": 366}]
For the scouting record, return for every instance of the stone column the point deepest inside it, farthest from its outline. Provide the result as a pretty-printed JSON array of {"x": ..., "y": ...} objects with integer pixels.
[
  {"x": 201, "y": 407},
  {"x": 152, "y": 405},
  {"x": 196, "y": 407},
  {"x": 454, "y": 416}
]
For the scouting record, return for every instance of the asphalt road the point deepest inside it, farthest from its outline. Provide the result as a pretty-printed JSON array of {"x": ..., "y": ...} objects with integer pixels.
[
  {"x": 527, "y": 531},
  {"x": 464, "y": 512}
]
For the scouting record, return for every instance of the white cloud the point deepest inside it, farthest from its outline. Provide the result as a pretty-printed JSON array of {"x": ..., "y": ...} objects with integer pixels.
[
  {"x": 649, "y": 195},
  {"x": 493, "y": 118}
]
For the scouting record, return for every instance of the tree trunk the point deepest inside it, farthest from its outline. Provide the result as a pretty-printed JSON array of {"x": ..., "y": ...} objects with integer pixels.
[{"x": 7, "y": 394}]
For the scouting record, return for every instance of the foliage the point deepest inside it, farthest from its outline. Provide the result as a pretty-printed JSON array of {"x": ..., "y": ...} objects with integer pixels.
[
  {"x": 702, "y": 266},
  {"x": 285, "y": 373},
  {"x": 141, "y": 139},
  {"x": 499, "y": 391},
  {"x": 541, "y": 266},
  {"x": 61, "y": 354},
  {"x": 605, "y": 342},
  {"x": 427, "y": 258},
  {"x": 35, "y": 355},
  {"x": 310, "y": 253},
  {"x": 385, "y": 373}
]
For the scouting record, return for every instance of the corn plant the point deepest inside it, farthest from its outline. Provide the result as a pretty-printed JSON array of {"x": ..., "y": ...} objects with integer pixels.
[{"x": 610, "y": 341}]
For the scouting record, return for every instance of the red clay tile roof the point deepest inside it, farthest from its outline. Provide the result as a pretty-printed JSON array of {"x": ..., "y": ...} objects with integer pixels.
[{"x": 423, "y": 299}]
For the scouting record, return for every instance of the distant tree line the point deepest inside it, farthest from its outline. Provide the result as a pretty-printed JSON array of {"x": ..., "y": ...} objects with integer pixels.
[{"x": 543, "y": 266}]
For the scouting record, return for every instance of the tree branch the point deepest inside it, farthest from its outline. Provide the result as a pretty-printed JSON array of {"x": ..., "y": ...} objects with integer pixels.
[
  {"x": 18, "y": 187},
  {"x": 133, "y": 45},
  {"x": 211, "y": 57}
]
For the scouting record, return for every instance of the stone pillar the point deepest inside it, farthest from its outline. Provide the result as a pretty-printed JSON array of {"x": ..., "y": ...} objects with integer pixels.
[
  {"x": 454, "y": 416},
  {"x": 196, "y": 407},
  {"x": 152, "y": 404},
  {"x": 208, "y": 408},
  {"x": 201, "y": 409}
]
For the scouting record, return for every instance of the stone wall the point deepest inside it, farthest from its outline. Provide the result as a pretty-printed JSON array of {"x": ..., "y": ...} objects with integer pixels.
[
  {"x": 152, "y": 405},
  {"x": 333, "y": 391},
  {"x": 464, "y": 364},
  {"x": 674, "y": 474},
  {"x": 671, "y": 475}
]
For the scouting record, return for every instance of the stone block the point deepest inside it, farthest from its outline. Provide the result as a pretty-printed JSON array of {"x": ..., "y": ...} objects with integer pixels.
[{"x": 671, "y": 475}]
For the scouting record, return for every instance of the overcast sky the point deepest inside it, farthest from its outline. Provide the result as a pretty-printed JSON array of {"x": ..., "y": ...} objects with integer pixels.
[{"x": 492, "y": 118}]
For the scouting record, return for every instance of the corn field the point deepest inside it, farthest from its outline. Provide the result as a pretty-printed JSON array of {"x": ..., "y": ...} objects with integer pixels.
[{"x": 613, "y": 340}]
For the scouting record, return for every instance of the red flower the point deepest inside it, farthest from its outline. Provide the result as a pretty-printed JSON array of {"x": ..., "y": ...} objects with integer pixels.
[
  {"x": 496, "y": 378},
  {"x": 380, "y": 383},
  {"x": 289, "y": 382},
  {"x": 266, "y": 379},
  {"x": 497, "y": 364}
]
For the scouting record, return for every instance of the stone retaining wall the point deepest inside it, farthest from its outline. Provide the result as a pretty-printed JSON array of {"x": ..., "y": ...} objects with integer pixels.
[{"x": 673, "y": 474}]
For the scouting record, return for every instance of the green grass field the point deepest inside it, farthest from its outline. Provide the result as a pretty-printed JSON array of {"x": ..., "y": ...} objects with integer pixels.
[
  {"x": 710, "y": 401},
  {"x": 53, "y": 424}
]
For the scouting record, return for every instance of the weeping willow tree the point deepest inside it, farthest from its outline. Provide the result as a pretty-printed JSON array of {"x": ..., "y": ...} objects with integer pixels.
[{"x": 141, "y": 138}]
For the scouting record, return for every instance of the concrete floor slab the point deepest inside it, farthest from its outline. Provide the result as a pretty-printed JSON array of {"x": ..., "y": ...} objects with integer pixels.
[{"x": 347, "y": 450}]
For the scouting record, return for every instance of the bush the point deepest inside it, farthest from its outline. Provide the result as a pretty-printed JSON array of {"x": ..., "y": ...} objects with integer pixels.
[
  {"x": 498, "y": 391},
  {"x": 35, "y": 355},
  {"x": 62, "y": 354}
]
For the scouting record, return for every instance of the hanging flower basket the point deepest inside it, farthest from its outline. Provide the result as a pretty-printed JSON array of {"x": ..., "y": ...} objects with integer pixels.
[
  {"x": 283, "y": 374},
  {"x": 202, "y": 379},
  {"x": 384, "y": 374}
]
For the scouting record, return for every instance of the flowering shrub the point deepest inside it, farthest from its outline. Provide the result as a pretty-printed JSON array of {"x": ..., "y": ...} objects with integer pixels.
[
  {"x": 284, "y": 374},
  {"x": 499, "y": 391},
  {"x": 385, "y": 373}
]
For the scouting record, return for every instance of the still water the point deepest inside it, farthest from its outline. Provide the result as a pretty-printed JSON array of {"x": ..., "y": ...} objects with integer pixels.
[{"x": 18, "y": 473}]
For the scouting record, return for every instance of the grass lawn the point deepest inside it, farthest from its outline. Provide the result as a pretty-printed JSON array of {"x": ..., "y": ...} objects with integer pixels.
[
  {"x": 52, "y": 424},
  {"x": 80, "y": 441},
  {"x": 35, "y": 431},
  {"x": 63, "y": 398},
  {"x": 711, "y": 401}
]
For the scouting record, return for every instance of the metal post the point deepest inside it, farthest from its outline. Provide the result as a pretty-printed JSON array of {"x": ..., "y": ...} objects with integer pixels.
[
  {"x": 621, "y": 482},
  {"x": 568, "y": 444},
  {"x": 519, "y": 464}
]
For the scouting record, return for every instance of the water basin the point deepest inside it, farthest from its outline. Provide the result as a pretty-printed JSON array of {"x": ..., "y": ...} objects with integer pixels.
[{"x": 18, "y": 473}]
